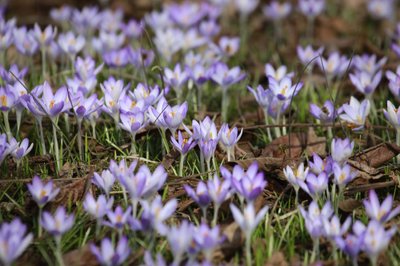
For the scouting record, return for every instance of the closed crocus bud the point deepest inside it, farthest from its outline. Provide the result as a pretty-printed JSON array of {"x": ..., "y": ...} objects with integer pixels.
[
  {"x": 228, "y": 137},
  {"x": 105, "y": 181},
  {"x": 392, "y": 114}
]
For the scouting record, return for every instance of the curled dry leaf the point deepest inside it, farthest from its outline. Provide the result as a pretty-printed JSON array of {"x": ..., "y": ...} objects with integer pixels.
[{"x": 378, "y": 155}]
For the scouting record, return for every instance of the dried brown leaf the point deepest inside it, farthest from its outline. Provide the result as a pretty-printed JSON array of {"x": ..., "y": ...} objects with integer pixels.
[
  {"x": 80, "y": 257},
  {"x": 349, "y": 205},
  {"x": 378, "y": 155}
]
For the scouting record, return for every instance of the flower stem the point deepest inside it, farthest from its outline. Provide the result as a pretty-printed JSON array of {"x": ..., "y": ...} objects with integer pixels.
[
  {"x": 133, "y": 145},
  {"x": 248, "y": 250},
  {"x": 315, "y": 253},
  {"x": 7, "y": 125},
  {"x": 224, "y": 104},
  {"x": 267, "y": 124},
  {"x": 58, "y": 251},
  {"x": 56, "y": 149},
  {"x": 182, "y": 160},
  {"x": 43, "y": 62},
  {"x": 215, "y": 216},
  {"x": 42, "y": 136},
  {"x": 39, "y": 224},
  {"x": 80, "y": 139},
  {"x": 164, "y": 140}
]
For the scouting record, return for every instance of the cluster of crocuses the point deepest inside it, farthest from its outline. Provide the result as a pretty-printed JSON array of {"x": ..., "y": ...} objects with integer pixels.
[
  {"x": 18, "y": 150},
  {"x": 325, "y": 222},
  {"x": 140, "y": 189}
]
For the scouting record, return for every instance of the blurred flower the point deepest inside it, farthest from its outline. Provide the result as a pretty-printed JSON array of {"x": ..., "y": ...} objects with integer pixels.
[
  {"x": 311, "y": 8},
  {"x": 229, "y": 46},
  {"x": 314, "y": 218},
  {"x": 13, "y": 241},
  {"x": 71, "y": 44},
  {"x": 335, "y": 65},
  {"x": 296, "y": 176},
  {"x": 226, "y": 77},
  {"x": 218, "y": 190},
  {"x": 108, "y": 255},
  {"x": 341, "y": 149},
  {"x": 277, "y": 11},
  {"x": 22, "y": 148},
  {"x": 180, "y": 239},
  {"x": 392, "y": 114},
  {"x": 334, "y": 229},
  {"x": 200, "y": 196},
  {"x": 118, "y": 218},
  {"x": 355, "y": 113},
  {"x": 248, "y": 219},
  {"x": 207, "y": 239},
  {"x": 42, "y": 193},
  {"x": 326, "y": 114},
  {"x": 229, "y": 137},
  {"x": 173, "y": 116},
  {"x": 245, "y": 7},
  {"x": 380, "y": 212},
  {"x": 314, "y": 185},
  {"x": 381, "y": 9},
  {"x": 58, "y": 224},
  {"x": 284, "y": 89},
  {"x": 318, "y": 165},
  {"x": 366, "y": 83},
  {"x": 368, "y": 63},
  {"x": 394, "y": 82},
  {"x": 308, "y": 56},
  {"x": 97, "y": 208},
  {"x": 209, "y": 28},
  {"x": 132, "y": 122},
  {"x": 105, "y": 181},
  {"x": 46, "y": 36},
  {"x": 343, "y": 174},
  {"x": 277, "y": 74}
]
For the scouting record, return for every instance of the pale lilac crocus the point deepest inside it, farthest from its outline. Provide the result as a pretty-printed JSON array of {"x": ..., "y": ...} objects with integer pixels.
[
  {"x": 314, "y": 219},
  {"x": 219, "y": 191},
  {"x": 105, "y": 181},
  {"x": 118, "y": 218},
  {"x": 229, "y": 137},
  {"x": 326, "y": 113},
  {"x": 366, "y": 83},
  {"x": 355, "y": 113},
  {"x": 246, "y": 7},
  {"x": 42, "y": 193},
  {"x": 368, "y": 63},
  {"x": 277, "y": 11},
  {"x": 183, "y": 145},
  {"x": 133, "y": 123},
  {"x": 225, "y": 77},
  {"x": 110, "y": 255},
  {"x": 392, "y": 114},
  {"x": 334, "y": 66},
  {"x": 200, "y": 196},
  {"x": 334, "y": 229},
  {"x": 394, "y": 82},
  {"x": 318, "y": 165},
  {"x": 180, "y": 238},
  {"x": 380, "y": 212},
  {"x": 343, "y": 174},
  {"x": 207, "y": 239},
  {"x": 308, "y": 56},
  {"x": 315, "y": 185},
  {"x": 21, "y": 149},
  {"x": 311, "y": 8},
  {"x": 71, "y": 44},
  {"x": 295, "y": 176},
  {"x": 173, "y": 116},
  {"x": 341, "y": 149},
  {"x": 381, "y": 9},
  {"x": 248, "y": 220},
  {"x": 229, "y": 46},
  {"x": 14, "y": 239},
  {"x": 97, "y": 208},
  {"x": 176, "y": 78},
  {"x": 277, "y": 74},
  {"x": 154, "y": 180}
]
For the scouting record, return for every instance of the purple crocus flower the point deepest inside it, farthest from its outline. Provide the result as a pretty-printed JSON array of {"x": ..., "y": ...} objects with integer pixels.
[
  {"x": 176, "y": 78},
  {"x": 105, "y": 181},
  {"x": 132, "y": 123},
  {"x": 129, "y": 106},
  {"x": 71, "y": 44},
  {"x": 229, "y": 46},
  {"x": 380, "y": 212},
  {"x": 173, "y": 116},
  {"x": 6, "y": 39},
  {"x": 205, "y": 129},
  {"x": 314, "y": 218},
  {"x": 134, "y": 184},
  {"x": 183, "y": 145},
  {"x": 207, "y": 239},
  {"x": 309, "y": 56},
  {"x": 326, "y": 113},
  {"x": 156, "y": 114},
  {"x": 246, "y": 7},
  {"x": 315, "y": 185},
  {"x": 46, "y": 36},
  {"x": 355, "y": 113},
  {"x": 58, "y": 224},
  {"x": 108, "y": 41},
  {"x": 368, "y": 63},
  {"x": 122, "y": 168},
  {"x": 9, "y": 78},
  {"x": 264, "y": 97},
  {"x": 155, "y": 214},
  {"x": 366, "y": 83},
  {"x": 226, "y": 77},
  {"x": 133, "y": 29},
  {"x": 118, "y": 218},
  {"x": 381, "y": 9},
  {"x": 61, "y": 14},
  {"x": 351, "y": 245},
  {"x": 180, "y": 238},
  {"x": 296, "y": 176},
  {"x": 42, "y": 193},
  {"x": 25, "y": 42},
  {"x": 13, "y": 241},
  {"x": 84, "y": 106},
  {"x": 150, "y": 95},
  {"x": 22, "y": 148},
  {"x": 108, "y": 255},
  {"x": 97, "y": 208},
  {"x": 218, "y": 190},
  {"x": 248, "y": 219},
  {"x": 149, "y": 261},
  {"x": 335, "y": 65},
  {"x": 343, "y": 174},
  {"x": 7, "y": 99},
  {"x": 116, "y": 58},
  {"x": 334, "y": 229},
  {"x": 207, "y": 148},
  {"x": 200, "y": 196},
  {"x": 228, "y": 137},
  {"x": 392, "y": 114},
  {"x": 311, "y": 8},
  {"x": 86, "y": 68},
  {"x": 318, "y": 165},
  {"x": 284, "y": 89},
  {"x": 209, "y": 28},
  {"x": 154, "y": 181},
  {"x": 277, "y": 74},
  {"x": 277, "y": 11},
  {"x": 141, "y": 57},
  {"x": 341, "y": 149},
  {"x": 394, "y": 82}
]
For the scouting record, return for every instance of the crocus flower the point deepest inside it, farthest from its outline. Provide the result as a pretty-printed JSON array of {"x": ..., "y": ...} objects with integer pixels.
[
  {"x": 183, "y": 145},
  {"x": 17, "y": 74},
  {"x": 154, "y": 181},
  {"x": 180, "y": 239},
  {"x": 334, "y": 229},
  {"x": 311, "y": 8},
  {"x": 122, "y": 168},
  {"x": 296, "y": 176},
  {"x": 97, "y": 208},
  {"x": 108, "y": 255},
  {"x": 343, "y": 174},
  {"x": 71, "y": 44},
  {"x": 156, "y": 114},
  {"x": 207, "y": 239},
  {"x": 368, "y": 63},
  {"x": 381, "y": 9},
  {"x": 394, "y": 82},
  {"x": 25, "y": 42},
  {"x": 134, "y": 184},
  {"x": 351, "y": 245},
  {"x": 317, "y": 165},
  {"x": 108, "y": 41},
  {"x": 133, "y": 29},
  {"x": 309, "y": 56},
  {"x": 366, "y": 83},
  {"x": 132, "y": 123},
  {"x": 22, "y": 148},
  {"x": 335, "y": 65},
  {"x": 207, "y": 148},
  {"x": 376, "y": 239},
  {"x": 380, "y": 212},
  {"x": 315, "y": 185},
  {"x": 277, "y": 11},
  {"x": 248, "y": 219},
  {"x": 314, "y": 218},
  {"x": 46, "y": 36},
  {"x": 7, "y": 99},
  {"x": 341, "y": 149},
  {"x": 392, "y": 114},
  {"x": 218, "y": 190},
  {"x": 176, "y": 78},
  {"x": 325, "y": 114},
  {"x": 83, "y": 106},
  {"x": 155, "y": 214},
  {"x": 86, "y": 68},
  {"x": 205, "y": 129},
  {"x": 245, "y": 7},
  {"x": 209, "y": 28},
  {"x": 116, "y": 58},
  {"x": 229, "y": 46},
  {"x": 186, "y": 14},
  {"x": 284, "y": 89},
  {"x": 355, "y": 113},
  {"x": 118, "y": 218},
  {"x": 200, "y": 196},
  {"x": 150, "y": 95},
  {"x": 42, "y": 193},
  {"x": 58, "y": 224},
  {"x": 228, "y": 137},
  {"x": 277, "y": 74},
  {"x": 13, "y": 241},
  {"x": 173, "y": 116},
  {"x": 226, "y": 77},
  {"x": 105, "y": 181}
]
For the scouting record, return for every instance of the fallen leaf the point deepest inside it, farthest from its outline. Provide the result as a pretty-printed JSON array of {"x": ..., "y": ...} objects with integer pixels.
[
  {"x": 378, "y": 155},
  {"x": 80, "y": 257},
  {"x": 349, "y": 205}
]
